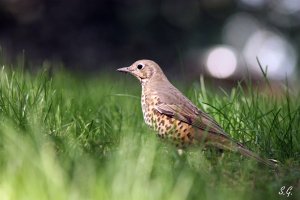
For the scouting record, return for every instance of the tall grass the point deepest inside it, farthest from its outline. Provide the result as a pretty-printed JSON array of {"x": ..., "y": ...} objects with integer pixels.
[{"x": 64, "y": 136}]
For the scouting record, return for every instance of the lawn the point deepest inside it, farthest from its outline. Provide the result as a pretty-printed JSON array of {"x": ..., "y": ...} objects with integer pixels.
[{"x": 65, "y": 136}]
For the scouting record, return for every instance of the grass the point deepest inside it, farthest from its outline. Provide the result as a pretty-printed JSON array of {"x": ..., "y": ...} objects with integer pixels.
[{"x": 64, "y": 136}]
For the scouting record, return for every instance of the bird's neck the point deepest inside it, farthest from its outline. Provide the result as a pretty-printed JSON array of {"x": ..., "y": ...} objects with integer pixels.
[{"x": 153, "y": 86}]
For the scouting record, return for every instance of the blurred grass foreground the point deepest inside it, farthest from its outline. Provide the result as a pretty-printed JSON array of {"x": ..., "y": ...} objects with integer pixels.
[{"x": 69, "y": 137}]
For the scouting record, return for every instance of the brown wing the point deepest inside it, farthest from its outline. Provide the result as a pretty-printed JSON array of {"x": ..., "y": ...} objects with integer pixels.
[
  {"x": 192, "y": 116},
  {"x": 203, "y": 121},
  {"x": 173, "y": 103}
]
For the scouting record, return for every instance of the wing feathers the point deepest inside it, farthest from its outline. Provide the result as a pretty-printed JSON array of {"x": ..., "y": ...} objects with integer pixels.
[{"x": 190, "y": 116}]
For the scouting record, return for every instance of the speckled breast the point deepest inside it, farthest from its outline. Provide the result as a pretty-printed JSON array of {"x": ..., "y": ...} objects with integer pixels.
[{"x": 167, "y": 127}]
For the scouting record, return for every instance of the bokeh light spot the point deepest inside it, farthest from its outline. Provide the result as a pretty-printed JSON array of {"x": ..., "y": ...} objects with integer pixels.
[
  {"x": 221, "y": 62},
  {"x": 273, "y": 51}
]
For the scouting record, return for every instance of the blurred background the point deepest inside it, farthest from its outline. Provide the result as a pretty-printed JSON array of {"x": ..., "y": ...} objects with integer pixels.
[{"x": 221, "y": 39}]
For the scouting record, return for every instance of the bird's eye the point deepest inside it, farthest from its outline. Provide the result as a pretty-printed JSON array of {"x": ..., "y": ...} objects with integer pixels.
[{"x": 140, "y": 66}]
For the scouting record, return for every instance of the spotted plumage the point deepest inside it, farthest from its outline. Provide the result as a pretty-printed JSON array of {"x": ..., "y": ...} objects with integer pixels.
[{"x": 173, "y": 116}]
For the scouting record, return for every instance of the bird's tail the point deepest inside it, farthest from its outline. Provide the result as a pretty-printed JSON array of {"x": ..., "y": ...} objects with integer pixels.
[
  {"x": 226, "y": 143},
  {"x": 246, "y": 152}
]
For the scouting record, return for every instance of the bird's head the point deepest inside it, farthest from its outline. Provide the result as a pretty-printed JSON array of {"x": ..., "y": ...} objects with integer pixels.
[{"x": 144, "y": 70}]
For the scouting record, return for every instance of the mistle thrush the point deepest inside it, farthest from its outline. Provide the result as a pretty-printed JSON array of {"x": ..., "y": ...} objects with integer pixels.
[{"x": 175, "y": 117}]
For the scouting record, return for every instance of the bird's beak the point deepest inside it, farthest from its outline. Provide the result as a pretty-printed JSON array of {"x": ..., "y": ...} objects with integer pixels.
[{"x": 124, "y": 69}]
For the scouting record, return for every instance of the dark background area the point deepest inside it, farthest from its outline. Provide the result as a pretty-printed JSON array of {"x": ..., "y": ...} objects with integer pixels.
[{"x": 91, "y": 35}]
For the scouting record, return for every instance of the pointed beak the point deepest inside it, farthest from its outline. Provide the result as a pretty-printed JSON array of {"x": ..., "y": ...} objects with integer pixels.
[{"x": 123, "y": 69}]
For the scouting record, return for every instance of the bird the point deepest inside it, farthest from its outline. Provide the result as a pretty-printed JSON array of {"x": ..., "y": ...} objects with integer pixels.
[{"x": 175, "y": 118}]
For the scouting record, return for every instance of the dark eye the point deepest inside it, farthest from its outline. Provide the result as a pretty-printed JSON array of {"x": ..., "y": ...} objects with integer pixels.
[{"x": 140, "y": 66}]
